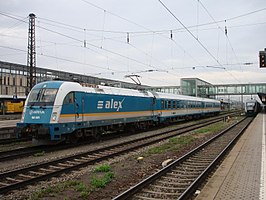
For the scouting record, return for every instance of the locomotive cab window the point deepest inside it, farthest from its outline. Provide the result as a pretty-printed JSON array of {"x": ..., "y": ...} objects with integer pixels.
[
  {"x": 39, "y": 97},
  {"x": 69, "y": 98},
  {"x": 48, "y": 95}
]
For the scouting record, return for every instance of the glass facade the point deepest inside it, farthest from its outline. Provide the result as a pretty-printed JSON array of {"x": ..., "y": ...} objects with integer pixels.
[
  {"x": 195, "y": 87},
  {"x": 200, "y": 88}
]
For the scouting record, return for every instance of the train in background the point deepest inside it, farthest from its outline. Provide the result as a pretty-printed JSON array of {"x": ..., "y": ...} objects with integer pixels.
[
  {"x": 13, "y": 106},
  {"x": 58, "y": 111},
  {"x": 252, "y": 107}
]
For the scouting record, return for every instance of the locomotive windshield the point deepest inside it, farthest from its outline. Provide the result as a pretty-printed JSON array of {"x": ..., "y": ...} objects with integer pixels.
[
  {"x": 249, "y": 104},
  {"x": 44, "y": 96}
]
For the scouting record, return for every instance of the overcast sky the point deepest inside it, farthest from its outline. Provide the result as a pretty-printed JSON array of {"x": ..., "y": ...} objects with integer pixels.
[{"x": 115, "y": 38}]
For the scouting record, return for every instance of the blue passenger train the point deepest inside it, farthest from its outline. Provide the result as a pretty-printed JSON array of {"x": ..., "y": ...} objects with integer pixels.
[{"x": 58, "y": 111}]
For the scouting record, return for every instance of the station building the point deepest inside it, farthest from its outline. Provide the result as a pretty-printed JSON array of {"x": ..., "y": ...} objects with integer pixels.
[{"x": 14, "y": 89}]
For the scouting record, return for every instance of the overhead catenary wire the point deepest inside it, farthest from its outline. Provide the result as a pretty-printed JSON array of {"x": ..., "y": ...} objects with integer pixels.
[
  {"x": 95, "y": 46},
  {"x": 152, "y": 32},
  {"x": 174, "y": 42},
  {"x": 234, "y": 17},
  {"x": 81, "y": 29},
  {"x": 132, "y": 22},
  {"x": 86, "y": 64},
  {"x": 144, "y": 27},
  {"x": 50, "y": 56},
  {"x": 109, "y": 51},
  {"x": 201, "y": 44},
  {"x": 225, "y": 32},
  {"x": 147, "y": 31}
]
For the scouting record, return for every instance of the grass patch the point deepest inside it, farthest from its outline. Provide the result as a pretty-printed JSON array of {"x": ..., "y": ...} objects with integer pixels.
[
  {"x": 173, "y": 144},
  {"x": 102, "y": 182},
  {"x": 80, "y": 187},
  {"x": 213, "y": 128},
  {"x": 103, "y": 168},
  {"x": 53, "y": 190},
  {"x": 39, "y": 154},
  {"x": 102, "y": 175}
]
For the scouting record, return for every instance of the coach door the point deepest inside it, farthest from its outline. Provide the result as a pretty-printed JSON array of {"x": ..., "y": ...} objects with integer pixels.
[
  {"x": 79, "y": 106},
  {"x": 153, "y": 106}
]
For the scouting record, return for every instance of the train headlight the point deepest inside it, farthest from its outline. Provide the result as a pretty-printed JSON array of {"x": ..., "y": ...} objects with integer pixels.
[{"x": 54, "y": 116}]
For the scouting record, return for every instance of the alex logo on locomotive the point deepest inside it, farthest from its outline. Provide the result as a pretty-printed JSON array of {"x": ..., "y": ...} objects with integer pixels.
[
  {"x": 111, "y": 104},
  {"x": 38, "y": 112}
]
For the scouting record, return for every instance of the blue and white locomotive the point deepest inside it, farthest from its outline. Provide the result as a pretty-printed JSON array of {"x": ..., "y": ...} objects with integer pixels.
[{"x": 57, "y": 111}]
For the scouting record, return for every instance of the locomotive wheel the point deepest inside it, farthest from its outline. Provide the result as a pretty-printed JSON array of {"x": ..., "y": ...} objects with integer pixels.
[
  {"x": 75, "y": 136},
  {"x": 97, "y": 136},
  {"x": 79, "y": 133}
]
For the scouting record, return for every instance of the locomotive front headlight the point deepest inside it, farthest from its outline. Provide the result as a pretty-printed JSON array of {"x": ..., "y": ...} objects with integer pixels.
[{"x": 54, "y": 116}]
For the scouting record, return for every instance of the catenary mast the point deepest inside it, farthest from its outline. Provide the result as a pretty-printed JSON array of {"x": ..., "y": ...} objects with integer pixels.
[{"x": 31, "y": 62}]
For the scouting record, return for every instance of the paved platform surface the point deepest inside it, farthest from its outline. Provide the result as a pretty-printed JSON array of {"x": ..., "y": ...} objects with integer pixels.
[
  {"x": 8, "y": 123},
  {"x": 241, "y": 176}
]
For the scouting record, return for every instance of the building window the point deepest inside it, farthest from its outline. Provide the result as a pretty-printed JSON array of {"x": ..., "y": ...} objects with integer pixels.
[{"x": 20, "y": 82}]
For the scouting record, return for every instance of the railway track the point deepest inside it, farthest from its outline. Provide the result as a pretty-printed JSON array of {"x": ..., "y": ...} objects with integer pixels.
[
  {"x": 19, "y": 178},
  {"x": 13, "y": 140},
  {"x": 180, "y": 179},
  {"x": 28, "y": 151},
  {"x": 8, "y": 135}
]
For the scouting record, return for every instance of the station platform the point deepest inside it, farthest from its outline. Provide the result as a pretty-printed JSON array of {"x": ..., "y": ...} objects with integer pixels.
[{"x": 242, "y": 175}]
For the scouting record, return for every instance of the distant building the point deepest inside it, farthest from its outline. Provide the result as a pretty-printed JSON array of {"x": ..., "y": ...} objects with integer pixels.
[{"x": 13, "y": 79}]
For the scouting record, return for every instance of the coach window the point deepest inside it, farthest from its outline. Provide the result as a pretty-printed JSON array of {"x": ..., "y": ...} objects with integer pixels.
[
  {"x": 69, "y": 98},
  {"x": 174, "y": 104},
  {"x": 162, "y": 104},
  {"x": 180, "y": 104},
  {"x": 165, "y": 104},
  {"x": 185, "y": 104},
  {"x": 169, "y": 104}
]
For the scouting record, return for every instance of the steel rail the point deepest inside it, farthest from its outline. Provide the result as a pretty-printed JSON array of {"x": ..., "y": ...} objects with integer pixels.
[
  {"x": 21, "y": 177},
  {"x": 27, "y": 151},
  {"x": 128, "y": 194}
]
